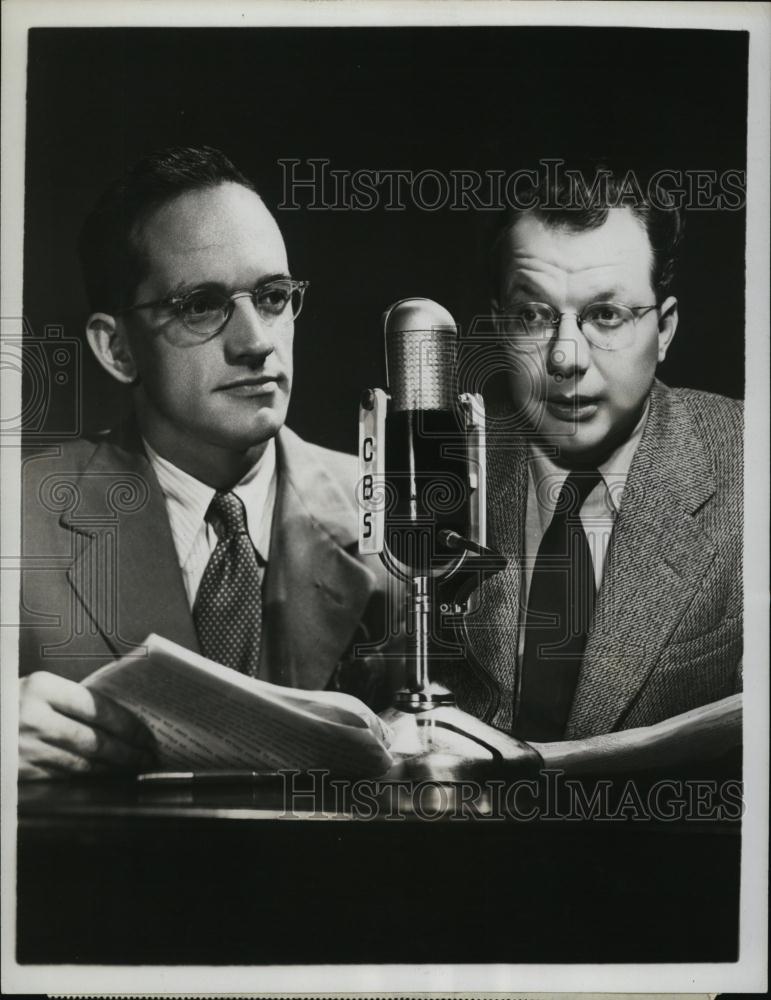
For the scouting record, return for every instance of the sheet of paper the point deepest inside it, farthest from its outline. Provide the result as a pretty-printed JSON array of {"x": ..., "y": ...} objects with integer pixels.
[{"x": 205, "y": 716}]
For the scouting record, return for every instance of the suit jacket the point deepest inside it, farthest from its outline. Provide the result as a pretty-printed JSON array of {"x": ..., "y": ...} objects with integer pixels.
[
  {"x": 667, "y": 629},
  {"x": 100, "y": 570}
]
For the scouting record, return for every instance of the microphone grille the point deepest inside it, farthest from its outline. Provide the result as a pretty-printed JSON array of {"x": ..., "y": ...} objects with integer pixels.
[{"x": 421, "y": 345}]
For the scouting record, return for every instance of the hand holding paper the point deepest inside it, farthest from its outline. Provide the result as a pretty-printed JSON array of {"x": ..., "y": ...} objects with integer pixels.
[
  {"x": 206, "y": 717},
  {"x": 65, "y": 729}
]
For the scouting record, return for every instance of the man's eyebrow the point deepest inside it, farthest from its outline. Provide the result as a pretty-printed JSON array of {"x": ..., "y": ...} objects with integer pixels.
[
  {"x": 608, "y": 294},
  {"x": 523, "y": 286},
  {"x": 279, "y": 276},
  {"x": 184, "y": 287}
]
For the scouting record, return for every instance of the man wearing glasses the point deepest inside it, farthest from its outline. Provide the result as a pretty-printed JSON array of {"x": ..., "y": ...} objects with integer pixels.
[
  {"x": 617, "y": 500},
  {"x": 234, "y": 537}
]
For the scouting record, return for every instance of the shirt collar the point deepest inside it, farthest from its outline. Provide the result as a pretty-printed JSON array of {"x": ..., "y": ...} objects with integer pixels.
[
  {"x": 614, "y": 470},
  {"x": 187, "y": 500}
]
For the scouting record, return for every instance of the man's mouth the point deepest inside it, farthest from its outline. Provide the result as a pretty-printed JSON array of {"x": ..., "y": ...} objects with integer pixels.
[
  {"x": 252, "y": 385},
  {"x": 574, "y": 407}
]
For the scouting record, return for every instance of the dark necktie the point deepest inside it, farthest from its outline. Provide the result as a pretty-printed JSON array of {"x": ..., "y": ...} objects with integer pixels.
[
  {"x": 559, "y": 614},
  {"x": 228, "y": 606}
]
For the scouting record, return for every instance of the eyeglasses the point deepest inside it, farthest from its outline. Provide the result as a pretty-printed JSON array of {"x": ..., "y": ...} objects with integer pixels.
[
  {"x": 609, "y": 326},
  {"x": 206, "y": 312}
]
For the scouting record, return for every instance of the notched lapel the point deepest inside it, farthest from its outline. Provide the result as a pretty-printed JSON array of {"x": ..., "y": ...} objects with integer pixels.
[
  {"x": 493, "y": 631},
  {"x": 316, "y": 592},
  {"x": 653, "y": 571},
  {"x": 125, "y": 572},
  {"x": 656, "y": 561}
]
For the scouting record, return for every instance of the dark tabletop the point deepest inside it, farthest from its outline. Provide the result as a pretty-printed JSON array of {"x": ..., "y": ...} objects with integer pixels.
[{"x": 295, "y": 870}]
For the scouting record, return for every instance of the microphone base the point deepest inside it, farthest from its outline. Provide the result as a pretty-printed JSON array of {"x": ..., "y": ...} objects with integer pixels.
[{"x": 445, "y": 744}]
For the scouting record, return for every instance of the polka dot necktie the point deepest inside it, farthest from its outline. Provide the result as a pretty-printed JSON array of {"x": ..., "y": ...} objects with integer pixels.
[
  {"x": 559, "y": 614},
  {"x": 228, "y": 606}
]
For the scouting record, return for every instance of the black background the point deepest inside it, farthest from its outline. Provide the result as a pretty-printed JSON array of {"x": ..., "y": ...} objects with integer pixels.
[{"x": 385, "y": 98}]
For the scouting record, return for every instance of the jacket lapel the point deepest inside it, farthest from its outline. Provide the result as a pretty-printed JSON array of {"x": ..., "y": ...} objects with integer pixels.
[
  {"x": 487, "y": 690},
  {"x": 316, "y": 592},
  {"x": 656, "y": 560},
  {"x": 125, "y": 572}
]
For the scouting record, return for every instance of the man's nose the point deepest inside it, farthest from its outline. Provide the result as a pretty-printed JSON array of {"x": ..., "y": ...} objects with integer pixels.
[
  {"x": 247, "y": 336},
  {"x": 569, "y": 351}
]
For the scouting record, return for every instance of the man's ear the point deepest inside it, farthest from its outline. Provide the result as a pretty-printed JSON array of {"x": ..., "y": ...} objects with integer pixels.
[
  {"x": 667, "y": 325},
  {"x": 107, "y": 339}
]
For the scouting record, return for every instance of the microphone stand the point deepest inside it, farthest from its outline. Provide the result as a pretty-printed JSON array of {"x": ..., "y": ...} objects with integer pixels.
[{"x": 434, "y": 739}]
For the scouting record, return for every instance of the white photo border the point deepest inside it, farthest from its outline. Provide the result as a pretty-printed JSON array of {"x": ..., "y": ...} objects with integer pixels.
[{"x": 746, "y": 975}]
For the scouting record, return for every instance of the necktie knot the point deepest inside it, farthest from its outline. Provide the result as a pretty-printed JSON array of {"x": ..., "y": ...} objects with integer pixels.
[
  {"x": 226, "y": 513},
  {"x": 575, "y": 490}
]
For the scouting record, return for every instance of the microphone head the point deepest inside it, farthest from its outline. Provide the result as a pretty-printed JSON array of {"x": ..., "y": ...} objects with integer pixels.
[{"x": 421, "y": 344}]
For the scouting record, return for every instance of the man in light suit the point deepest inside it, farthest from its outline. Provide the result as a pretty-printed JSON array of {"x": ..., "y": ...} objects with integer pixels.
[
  {"x": 617, "y": 500},
  {"x": 192, "y": 307}
]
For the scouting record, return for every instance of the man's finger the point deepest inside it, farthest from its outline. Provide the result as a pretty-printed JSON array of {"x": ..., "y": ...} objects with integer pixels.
[
  {"x": 91, "y": 742},
  {"x": 79, "y": 703},
  {"x": 40, "y": 760}
]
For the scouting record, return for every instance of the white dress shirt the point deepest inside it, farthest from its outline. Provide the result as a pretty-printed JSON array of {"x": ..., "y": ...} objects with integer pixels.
[
  {"x": 188, "y": 499},
  {"x": 598, "y": 513}
]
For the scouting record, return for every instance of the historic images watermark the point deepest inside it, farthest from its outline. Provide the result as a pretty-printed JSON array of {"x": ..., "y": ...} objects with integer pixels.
[
  {"x": 551, "y": 796},
  {"x": 313, "y": 184},
  {"x": 49, "y": 366}
]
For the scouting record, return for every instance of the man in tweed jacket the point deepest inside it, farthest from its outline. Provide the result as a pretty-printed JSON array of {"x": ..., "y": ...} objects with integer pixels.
[{"x": 664, "y": 522}]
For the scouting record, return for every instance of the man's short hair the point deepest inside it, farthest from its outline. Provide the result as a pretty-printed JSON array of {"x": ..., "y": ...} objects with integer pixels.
[
  {"x": 112, "y": 262},
  {"x": 579, "y": 199}
]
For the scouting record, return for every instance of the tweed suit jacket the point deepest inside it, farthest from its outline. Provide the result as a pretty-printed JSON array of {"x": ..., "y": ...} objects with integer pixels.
[
  {"x": 100, "y": 570},
  {"x": 667, "y": 628}
]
